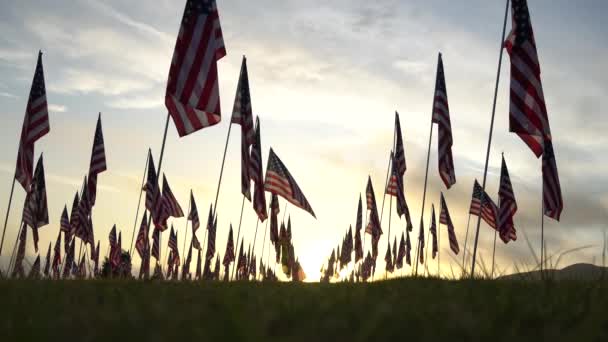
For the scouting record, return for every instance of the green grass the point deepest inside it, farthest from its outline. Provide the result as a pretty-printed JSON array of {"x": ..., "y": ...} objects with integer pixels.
[{"x": 398, "y": 310}]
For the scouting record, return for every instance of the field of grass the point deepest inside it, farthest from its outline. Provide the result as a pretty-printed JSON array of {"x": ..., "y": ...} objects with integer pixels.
[{"x": 397, "y": 310}]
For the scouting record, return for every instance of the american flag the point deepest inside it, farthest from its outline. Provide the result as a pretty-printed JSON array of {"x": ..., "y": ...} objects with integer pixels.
[
  {"x": 242, "y": 111},
  {"x": 433, "y": 230},
  {"x": 65, "y": 221},
  {"x": 74, "y": 216},
  {"x": 83, "y": 229},
  {"x": 192, "y": 96},
  {"x": 245, "y": 165},
  {"x": 47, "y": 263},
  {"x": 399, "y": 149},
  {"x": 197, "y": 274},
  {"x": 441, "y": 116},
  {"x": 257, "y": 175},
  {"x": 395, "y": 252},
  {"x": 388, "y": 259},
  {"x": 57, "y": 255},
  {"x": 484, "y": 205},
  {"x": 398, "y": 161},
  {"x": 186, "y": 266},
  {"x": 400, "y": 252},
  {"x": 173, "y": 240},
  {"x": 172, "y": 207},
  {"x": 373, "y": 226},
  {"x": 395, "y": 188},
  {"x": 35, "y": 211},
  {"x": 156, "y": 244},
  {"x": 279, "y": 181},
  {"x": 98, "y": 161},
  {"x": 274, "y": 224},
  {"x": 358, "y": 227},
  {"x": 154, "y": 201},
  {"x": 112, "y": 237},
  {"x": 117, "y": 251},
  {"x": 193, "y": 215},
  {"x": 35, "y": 126},
  {"x": 69, "y": 259},
  {"x": 90, "y": 234},
  {"x": 195, "y": 243},
  {"x": 527, "y": 110},
  {"x": 229, "y": 255},
  {"x": 552, "y": 193},
  {"x": 35, "y": 270},
  {"x": 18, "y": 268},
  {"x": 359, "y": 223},
  {"x": 508, "y": 206},
  {"x": 142, "y": 243},
  {"x": 444, "y": 218},
  {"x": 421, "y": 240},
  {"x": 212, "y": 230},
  {"x": 96, "y": 258}
]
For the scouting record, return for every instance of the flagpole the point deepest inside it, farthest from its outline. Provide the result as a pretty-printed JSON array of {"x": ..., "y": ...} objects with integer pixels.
[
  {"x": 464, "y": 267},
  {"x": 426, "y": 176},
  {"x": 186, "y": 229},
  {"x": 385, "y": 186},
  {"x": 438, "y": 229},
  {"x": 141, "y": 191},
  {"x": 388, "y": 244},
  {"x": 542, "y": 236},
  {"x": 11, "y": 260},
  {"x": 426, "y": 253},
  {"x": 238, "y": 231},
  {"x": 485, "y": 171},
  {"x": 255, "y": 235},
  {"x": 264, "y": 242},
  {"x": 8, "y": 211},
  {"x": 219, "y": 182}
]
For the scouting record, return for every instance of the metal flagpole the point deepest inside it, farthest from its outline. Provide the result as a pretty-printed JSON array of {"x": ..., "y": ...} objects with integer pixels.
[
  {"x": 438, "y": 228},
  {"x": 388, "y": 243},
  {"x": 385, "y": 186},
  {"x": 219, "y": 182},
  {"x": 494, "y": 248},
  {"x": 237, "y": 234},
  {"x": 8, "y": 211},
  {"x": 255, "y": 235},
  {"x": 160, "y": 163},
  {"x": 264, "y": 242},
  {"x": 464, "y": 267},
  {"x": 426, "y": 176},
  {"x": 186, "y": 229},
  {"x": 485, "y": 171},
  {"x": 141, "y": 191},
  {"x": 426, "y": 253},
  {"x": 542, "y": 236},
  {"x": 12, "y": 259}
]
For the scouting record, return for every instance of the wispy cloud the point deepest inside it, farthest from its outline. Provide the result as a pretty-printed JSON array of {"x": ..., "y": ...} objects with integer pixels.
[
  {"x": 136, "y": 102},
  {"x": 57, "y": 108},
  {"x": 11, "y": 96}
]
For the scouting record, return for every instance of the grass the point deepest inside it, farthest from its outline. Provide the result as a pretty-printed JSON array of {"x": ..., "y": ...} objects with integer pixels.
[{"x": 405, "y": 309}]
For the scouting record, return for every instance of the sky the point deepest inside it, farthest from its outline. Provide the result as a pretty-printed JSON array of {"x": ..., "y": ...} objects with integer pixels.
[{"x": 326, "y": 78}]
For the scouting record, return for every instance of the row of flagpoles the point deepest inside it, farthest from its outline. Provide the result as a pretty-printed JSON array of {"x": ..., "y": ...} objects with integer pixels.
[{"x": 193, "y": 103}]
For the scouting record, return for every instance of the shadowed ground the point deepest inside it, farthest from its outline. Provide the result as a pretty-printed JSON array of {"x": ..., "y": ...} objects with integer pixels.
[{"x": 398, "y": 310}]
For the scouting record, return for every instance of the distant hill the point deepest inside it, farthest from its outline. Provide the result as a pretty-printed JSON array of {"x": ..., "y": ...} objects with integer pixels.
[{"x": 572, "y": 272}]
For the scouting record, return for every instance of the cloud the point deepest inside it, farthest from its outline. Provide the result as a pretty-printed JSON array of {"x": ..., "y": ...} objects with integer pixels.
[
  {"x": 137, "y": 102},
  {"x": 57, "y": 108},
  {"x": 10, "y": 96}
]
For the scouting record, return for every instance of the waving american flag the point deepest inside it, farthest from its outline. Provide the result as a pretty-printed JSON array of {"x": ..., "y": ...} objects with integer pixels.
[
  {"x": 279, "y": 181},
  {"x": 192, "y": 96}
]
